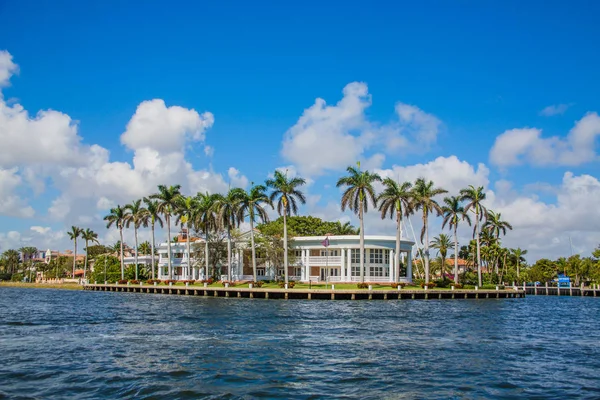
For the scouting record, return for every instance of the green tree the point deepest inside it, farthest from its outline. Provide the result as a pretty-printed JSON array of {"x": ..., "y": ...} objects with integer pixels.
[
  {"x": 345, "y": 229},
  {"x": 423, "y": 199},
  {"x": 152, "y": 218},
  {"x": 286, "y": 191},
  {"x": 475, "y": 197},
  {"x": 495, "y": 225},
  {"x": 135, "y": 215},
  {"x": 90, "y": 237},
  {"x": 358, "y": 190},
  {"x": 442, "y": 244},
  {"x": 167, "y": 197},
  {"x": 542, "y": 271},
  {"x": 28, "y": 253},
  {"x": 145, "y": 248},
  {"x": 454, "y": 213},
  {"x": 518, "y": 253},
  {"x": 117, "y": 218},
  {"x": 186, "y": 209},
  {"x": 205, "y": 220},
  {"x": 227, "y": 208},
  {"x": 74, "y": 233},
  {"x": 396, "y": 200},
  {"x": 106, "y": 268},
  {"x": 252, "y": 205}
]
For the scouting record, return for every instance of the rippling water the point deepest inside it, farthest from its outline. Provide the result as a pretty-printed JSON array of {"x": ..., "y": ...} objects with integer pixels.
[{"x": 72, "y": 344}]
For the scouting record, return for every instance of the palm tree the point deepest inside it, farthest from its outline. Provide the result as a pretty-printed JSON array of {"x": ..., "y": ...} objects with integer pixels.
[
  {"x": 423, "y": 199},
  {"x": 518, "y": 253},
  {"x": 286, "y": 192},
  {"x": 359, "y": 190},
  {"x": 145, "y": 247},
  {"x": 442, "y": 244},
  {"x": 495, "y": 225},
  {"x": 205, "y": 220},
  {"x": 152, "y": 217},
  {"x": 167, "y": 197},
  {"x": 396, "y": 199},
  {"x": 454, "y": 212},
  {"x": 345, "y": 229},
  {"x": 252, "y": 205},
  {"x": 227, "y": 209},
  {"x": 28, "y": 253},
  {"x": 186, "y": 208},
  {"x": 11, "y": 257},
  {"x": 135, "y": 215},
  {"x": 73, "y": 235},
  {"x": 90, "y": 237},
  {"x": 475, "y": 196},
  {"x": 117, "y": 217}
]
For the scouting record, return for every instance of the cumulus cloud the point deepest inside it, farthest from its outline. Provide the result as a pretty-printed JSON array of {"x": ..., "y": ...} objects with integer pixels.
[
  {"x": 527, "y": 146},
  {"x": 555, "y": 109},
  {"x": 10, "y": 203},
  {"x": 7, "y": 68},
  {"x": 331, "y": 137}
]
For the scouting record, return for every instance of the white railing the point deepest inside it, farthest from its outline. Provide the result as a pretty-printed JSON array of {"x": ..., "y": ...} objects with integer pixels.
[
  {"x": 294, "y": 278},
  {"x": 314, "y": 278},
  {"x": 323, "y": 260}
]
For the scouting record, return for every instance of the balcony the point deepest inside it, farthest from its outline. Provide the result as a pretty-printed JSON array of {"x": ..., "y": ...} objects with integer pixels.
[{"x": 321, "y": 261}]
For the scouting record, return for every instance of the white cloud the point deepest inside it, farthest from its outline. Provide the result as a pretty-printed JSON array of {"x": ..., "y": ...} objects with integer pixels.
[
  {"x": 164, "y": 129},
  {"x": 10, "y": 203},
  {"x": 7, "y": 68},
  {"x": 42, "y": 230},
  {"x": 555, "y": 109},
  {"x": 329, "y": 138},
  {"x": 209, "y": 151},
  {"x": 520, "y": 146}
]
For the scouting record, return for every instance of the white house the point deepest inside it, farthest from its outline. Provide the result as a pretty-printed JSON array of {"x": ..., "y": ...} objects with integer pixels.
[{"x": 310, "y": 260}]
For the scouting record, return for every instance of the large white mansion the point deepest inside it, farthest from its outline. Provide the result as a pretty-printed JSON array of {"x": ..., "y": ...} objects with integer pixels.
[{"x": 310, "y": 260}]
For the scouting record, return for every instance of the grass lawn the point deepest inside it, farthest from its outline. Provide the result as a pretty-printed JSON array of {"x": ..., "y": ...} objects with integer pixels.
[{"x": 67, "y": 286}]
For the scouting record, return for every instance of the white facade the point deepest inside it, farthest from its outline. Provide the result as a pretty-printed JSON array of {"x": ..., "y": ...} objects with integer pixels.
[{"x": 311, "y": 261}]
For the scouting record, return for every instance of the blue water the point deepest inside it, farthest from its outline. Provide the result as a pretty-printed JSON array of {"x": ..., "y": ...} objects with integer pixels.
[{"x": 73, "y": 344}]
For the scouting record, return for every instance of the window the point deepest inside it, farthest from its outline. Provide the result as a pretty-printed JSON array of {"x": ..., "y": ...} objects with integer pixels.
[
  {"x": 260, "y": 271},
  {"x": 378, "y": 270},
  {"x": 387, "y": 257},
  {"x": 298, "y": 253},
  {"x": 297, "y": 271},
  {"x": 355, "y": 256},
  {"x": 376, "y": 256},
  {"x": 355, "y": 270},
  {"x": 332, "y": 252}
]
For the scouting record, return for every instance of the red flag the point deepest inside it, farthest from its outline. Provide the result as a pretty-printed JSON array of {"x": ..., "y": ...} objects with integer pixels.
[{"x": 325, "y": 242}]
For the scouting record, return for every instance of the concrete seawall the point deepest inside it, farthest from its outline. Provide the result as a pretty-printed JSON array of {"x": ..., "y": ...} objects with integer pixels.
[{"x": 310, "y": 294}]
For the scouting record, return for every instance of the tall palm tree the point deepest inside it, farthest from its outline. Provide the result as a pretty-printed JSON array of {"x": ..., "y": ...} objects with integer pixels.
[
  {"x": 74, "y": 233},
  {"x": 442, "y": 244},
  {"x": 227, "y": 209},
  {"x": 205, "y": 220},
  {"x": 287, "y": 194},
  {"x": 11, "y": 256},
  {"x": 396, "y": 199},
  {"x": 145, "y": 247},
  {"x": 423, "y": 199},
  {"x": 186, "y": 209},
  {"x": 454, "y": 212},
  {"x": 135, "y": 215},
  {"x": 152, "y": 218},
  {"x": 475, "y": 197},
  {"x": 167, "y": 197},
  {"x": 358, "y": 191},
  {"x": 518, "y": 253},
  {"x": 28, "y": 252},
  {"x": 117, "y": 217},
  {"x": 495, "y": 225},
  {"x": 90, "y": 237},
  {"x": 252, "y": 205}
]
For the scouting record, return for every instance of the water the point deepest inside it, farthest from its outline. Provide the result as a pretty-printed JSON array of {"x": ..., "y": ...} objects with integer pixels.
[{"x": 72, "y": 344}]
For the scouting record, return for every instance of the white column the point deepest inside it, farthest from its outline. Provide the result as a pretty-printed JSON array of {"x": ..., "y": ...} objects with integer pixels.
[
  {"x": 349, "y": 264},
  {"x": 241, "y": 261},
  {"x": 303, "y": 263},
  {"x": 392, "y": 267},
  {"x": 308, "y": 263},
  {"x": 342, "y": 266},
  {"x": 409, "y": 266}
]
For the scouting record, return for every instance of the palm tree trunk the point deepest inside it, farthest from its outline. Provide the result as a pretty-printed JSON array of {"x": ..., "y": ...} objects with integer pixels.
[
  {"x": 455, "y": 255},
  {"x": 228, "y": 253},
  {"x": 397, "y": 255},
  {"x": 426, "y": 246},
  {"x": 74, "y": 258},
  {"x": 86, "y": 259},
  {"x": 518, "y": 267},
  {"x": 285, "y": 245},
  {"x": 136, "y": 250},
  {"x": 206, "y": 255},
  {"x": 170, "y": 264},
  {"x": 122, "y": 260},
  {"x": 479, "y": 279},
  {"x": 252, "y": 246},
  {"x": 189, "y": 252},
  {"x": 153, "y": 261},
  {"x": 362, "y": 244}
]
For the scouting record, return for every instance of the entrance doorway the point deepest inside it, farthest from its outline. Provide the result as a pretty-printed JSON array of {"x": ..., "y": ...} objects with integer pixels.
[{"x": 333, "y": 271}]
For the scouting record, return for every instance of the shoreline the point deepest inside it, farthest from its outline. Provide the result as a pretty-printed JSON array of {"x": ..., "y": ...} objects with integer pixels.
[{"x": 27, "y": 285}]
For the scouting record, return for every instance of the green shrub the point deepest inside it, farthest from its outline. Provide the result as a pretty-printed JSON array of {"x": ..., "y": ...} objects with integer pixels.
[
  {"x": 122, "y": 281},
  {"x": 471, "y": 287},
  {"x": 291, "y": 284},
  {"x": 491, "y": 286},
  {"x": 231, "y": 284},
  {"x": 443, "y": 283},
  {"x": 189, "y": 281},
  {"x": 457, "y": 285},
  {"x": 429, "y": 285},
  {"x": 362, "y": 285},
  {"x": 209, "y": 281},
  {"x": 395, "y": 285},
  {"x": 134, "y": 282},
  {"x": 17, "y": 278},
  {"x": 258, "y": 284}
]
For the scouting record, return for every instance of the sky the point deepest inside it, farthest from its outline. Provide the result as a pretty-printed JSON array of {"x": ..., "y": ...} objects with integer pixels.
[{"x": 100, "y": 102}]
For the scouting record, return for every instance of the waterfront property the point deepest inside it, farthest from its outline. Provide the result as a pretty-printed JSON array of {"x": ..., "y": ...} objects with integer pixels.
[{"x": 310, "y": 260}]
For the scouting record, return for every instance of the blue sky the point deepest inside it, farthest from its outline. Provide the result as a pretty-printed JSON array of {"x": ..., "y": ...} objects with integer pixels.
[{"x": 478, "y": 68}]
